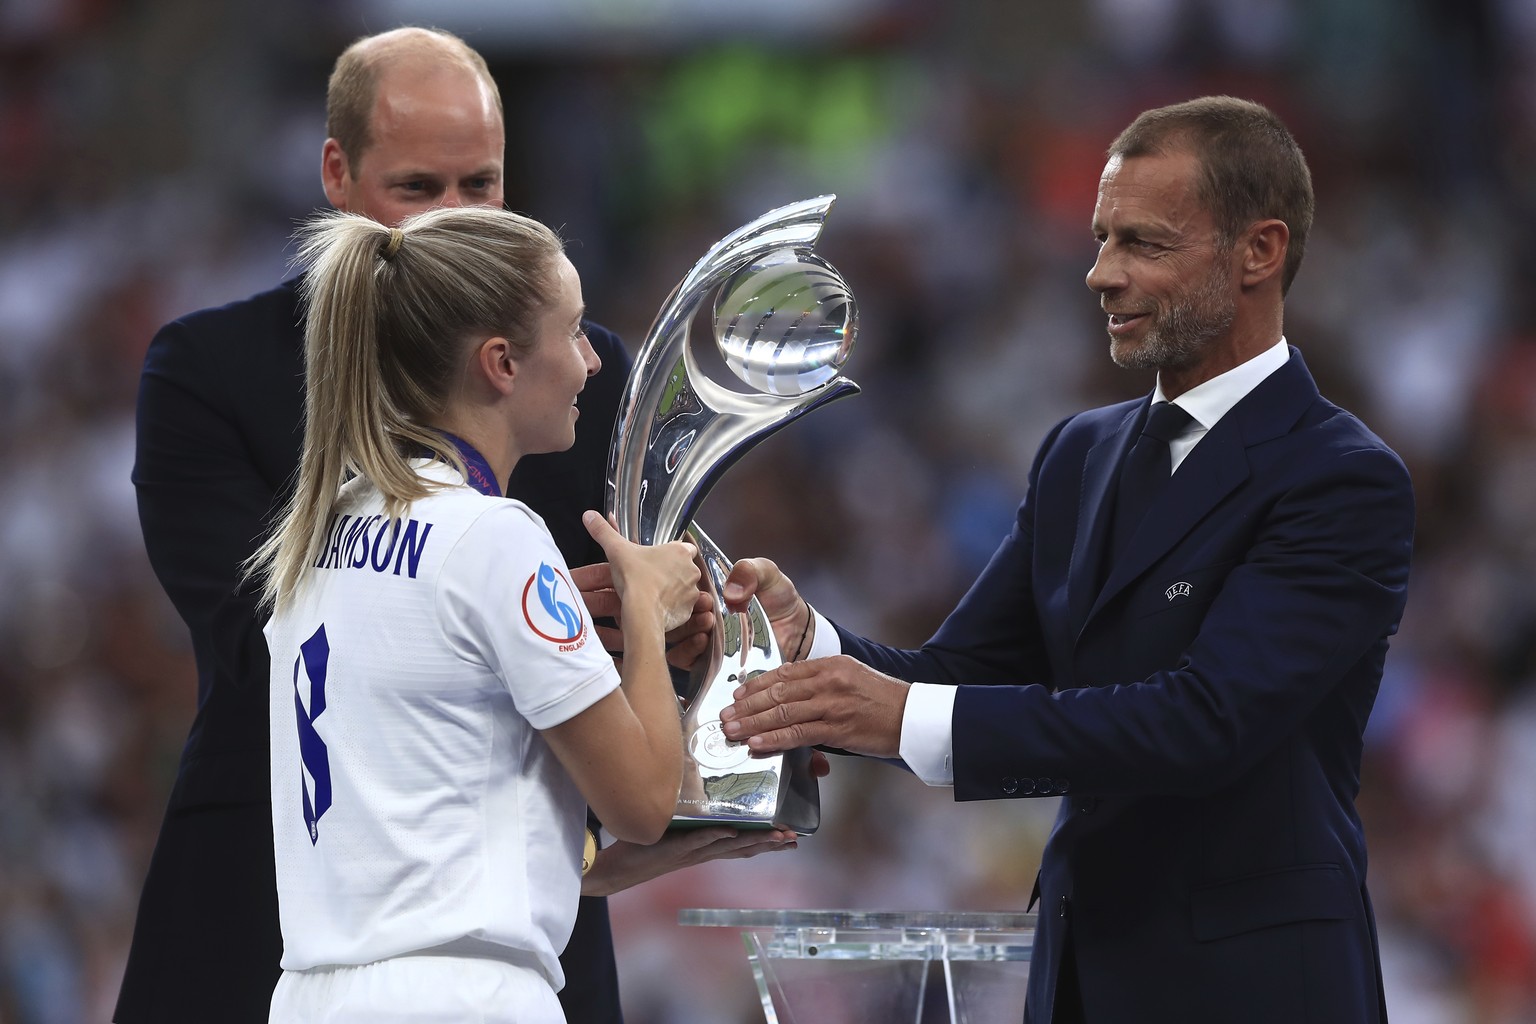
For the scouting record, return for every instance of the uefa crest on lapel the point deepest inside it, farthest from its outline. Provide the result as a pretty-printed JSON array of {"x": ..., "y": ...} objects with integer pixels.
[{"x": 1180, "y": 589}]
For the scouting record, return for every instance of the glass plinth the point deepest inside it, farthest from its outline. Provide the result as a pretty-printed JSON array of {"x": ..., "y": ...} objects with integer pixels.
[{"x": 856, "y": 966}]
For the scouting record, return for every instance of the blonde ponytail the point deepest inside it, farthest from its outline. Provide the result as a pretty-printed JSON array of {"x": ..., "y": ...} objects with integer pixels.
[{"x": 390, "y": 315}]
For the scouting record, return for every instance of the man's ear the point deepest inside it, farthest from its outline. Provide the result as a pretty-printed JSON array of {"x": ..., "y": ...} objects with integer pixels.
[
  {"x": 496, "y": 363},
  {"x": 1264, "y": 251},
  {"x": 335, "y": 174}
]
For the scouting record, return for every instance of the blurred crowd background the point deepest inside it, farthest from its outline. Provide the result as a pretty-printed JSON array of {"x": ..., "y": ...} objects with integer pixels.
[{"x": 154, "y": 158}]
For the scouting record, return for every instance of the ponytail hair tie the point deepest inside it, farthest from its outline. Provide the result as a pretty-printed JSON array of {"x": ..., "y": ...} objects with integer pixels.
[{"x": 396, "y": 237}]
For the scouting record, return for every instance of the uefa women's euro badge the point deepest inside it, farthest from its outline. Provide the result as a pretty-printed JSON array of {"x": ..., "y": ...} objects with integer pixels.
[{"x": 784, "y": 324}]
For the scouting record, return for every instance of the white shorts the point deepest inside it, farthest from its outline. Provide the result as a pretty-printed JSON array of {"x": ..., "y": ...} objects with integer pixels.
[{"x": 419, "y": 990}]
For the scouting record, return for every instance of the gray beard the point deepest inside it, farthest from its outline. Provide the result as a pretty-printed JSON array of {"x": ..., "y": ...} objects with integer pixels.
[{"x": 1182, "y": 333}]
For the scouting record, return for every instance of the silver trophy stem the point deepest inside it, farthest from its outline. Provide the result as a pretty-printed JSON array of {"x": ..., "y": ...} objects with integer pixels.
[{"x": 721, "y": 782}]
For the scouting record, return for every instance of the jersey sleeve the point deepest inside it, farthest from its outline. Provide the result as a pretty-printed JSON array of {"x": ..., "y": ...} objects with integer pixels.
[{"x": 507, "y": 602}]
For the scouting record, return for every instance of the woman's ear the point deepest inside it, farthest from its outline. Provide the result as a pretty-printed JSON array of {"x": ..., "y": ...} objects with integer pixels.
[{"x": 495, "y": 362}]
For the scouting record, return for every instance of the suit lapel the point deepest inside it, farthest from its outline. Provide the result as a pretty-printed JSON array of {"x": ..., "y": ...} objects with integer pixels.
[
  {"x": 1090, "y": 547},
  {"x": 1216, "y": 467}
]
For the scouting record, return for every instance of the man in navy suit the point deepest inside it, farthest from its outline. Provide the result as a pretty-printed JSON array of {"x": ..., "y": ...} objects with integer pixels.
[
  {"x": 1192, "y": 670},
  {"x": 415, "y": 121}
]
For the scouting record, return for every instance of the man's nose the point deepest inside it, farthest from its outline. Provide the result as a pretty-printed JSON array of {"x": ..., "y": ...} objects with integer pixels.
[{"x": 1103, "y": 276}]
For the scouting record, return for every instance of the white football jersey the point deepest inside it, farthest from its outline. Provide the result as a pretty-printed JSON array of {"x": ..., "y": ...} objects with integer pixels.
[{"x": 414, "y": 804}]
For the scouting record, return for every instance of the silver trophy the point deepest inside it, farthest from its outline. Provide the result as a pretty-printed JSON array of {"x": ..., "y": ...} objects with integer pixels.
[{"x": 784, "y": 325}]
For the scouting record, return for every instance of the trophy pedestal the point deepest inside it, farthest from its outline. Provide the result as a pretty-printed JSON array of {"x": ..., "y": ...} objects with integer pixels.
[{"x": 855, "y": 966}]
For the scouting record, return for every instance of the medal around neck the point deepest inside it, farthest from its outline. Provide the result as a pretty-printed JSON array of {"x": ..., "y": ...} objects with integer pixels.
[{"x": 784, "y": 325}]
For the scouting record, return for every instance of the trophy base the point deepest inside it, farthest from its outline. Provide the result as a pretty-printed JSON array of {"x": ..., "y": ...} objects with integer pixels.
[{"x": 775, "y": 792}]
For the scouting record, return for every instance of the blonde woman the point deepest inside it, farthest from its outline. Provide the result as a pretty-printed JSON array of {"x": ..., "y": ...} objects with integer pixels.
[{"x": 441, "y": 710}]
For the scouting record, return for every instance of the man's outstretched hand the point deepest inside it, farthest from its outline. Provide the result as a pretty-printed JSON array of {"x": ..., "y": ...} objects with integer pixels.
[{"x": 826, "y": 702}]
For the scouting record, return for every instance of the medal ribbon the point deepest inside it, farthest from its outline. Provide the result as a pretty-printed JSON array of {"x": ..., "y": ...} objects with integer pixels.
[{"x": 477, "y": 472}]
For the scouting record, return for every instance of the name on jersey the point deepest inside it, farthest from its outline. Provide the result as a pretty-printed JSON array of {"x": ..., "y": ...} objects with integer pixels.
[{"x": 374, "y": 542}]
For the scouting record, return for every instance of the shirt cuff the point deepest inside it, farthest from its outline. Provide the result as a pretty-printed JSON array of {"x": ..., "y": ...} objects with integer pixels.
[
  {"x": 927, "y": 733},
  {"x": 825, "y": 642}
]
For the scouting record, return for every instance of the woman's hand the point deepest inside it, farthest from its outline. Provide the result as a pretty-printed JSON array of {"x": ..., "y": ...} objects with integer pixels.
[
  {"x": 664, "y": 575},
  {"x": 684, "y": 644}
]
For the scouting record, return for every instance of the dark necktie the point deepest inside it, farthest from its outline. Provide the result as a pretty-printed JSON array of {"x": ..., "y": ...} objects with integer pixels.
[{"x": 1146, "y": 470}]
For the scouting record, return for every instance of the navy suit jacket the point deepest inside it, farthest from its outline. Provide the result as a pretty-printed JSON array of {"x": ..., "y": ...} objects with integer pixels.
[
  {"x": 1199, "y": 705},
  {"x": 220, "y": 428}
]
